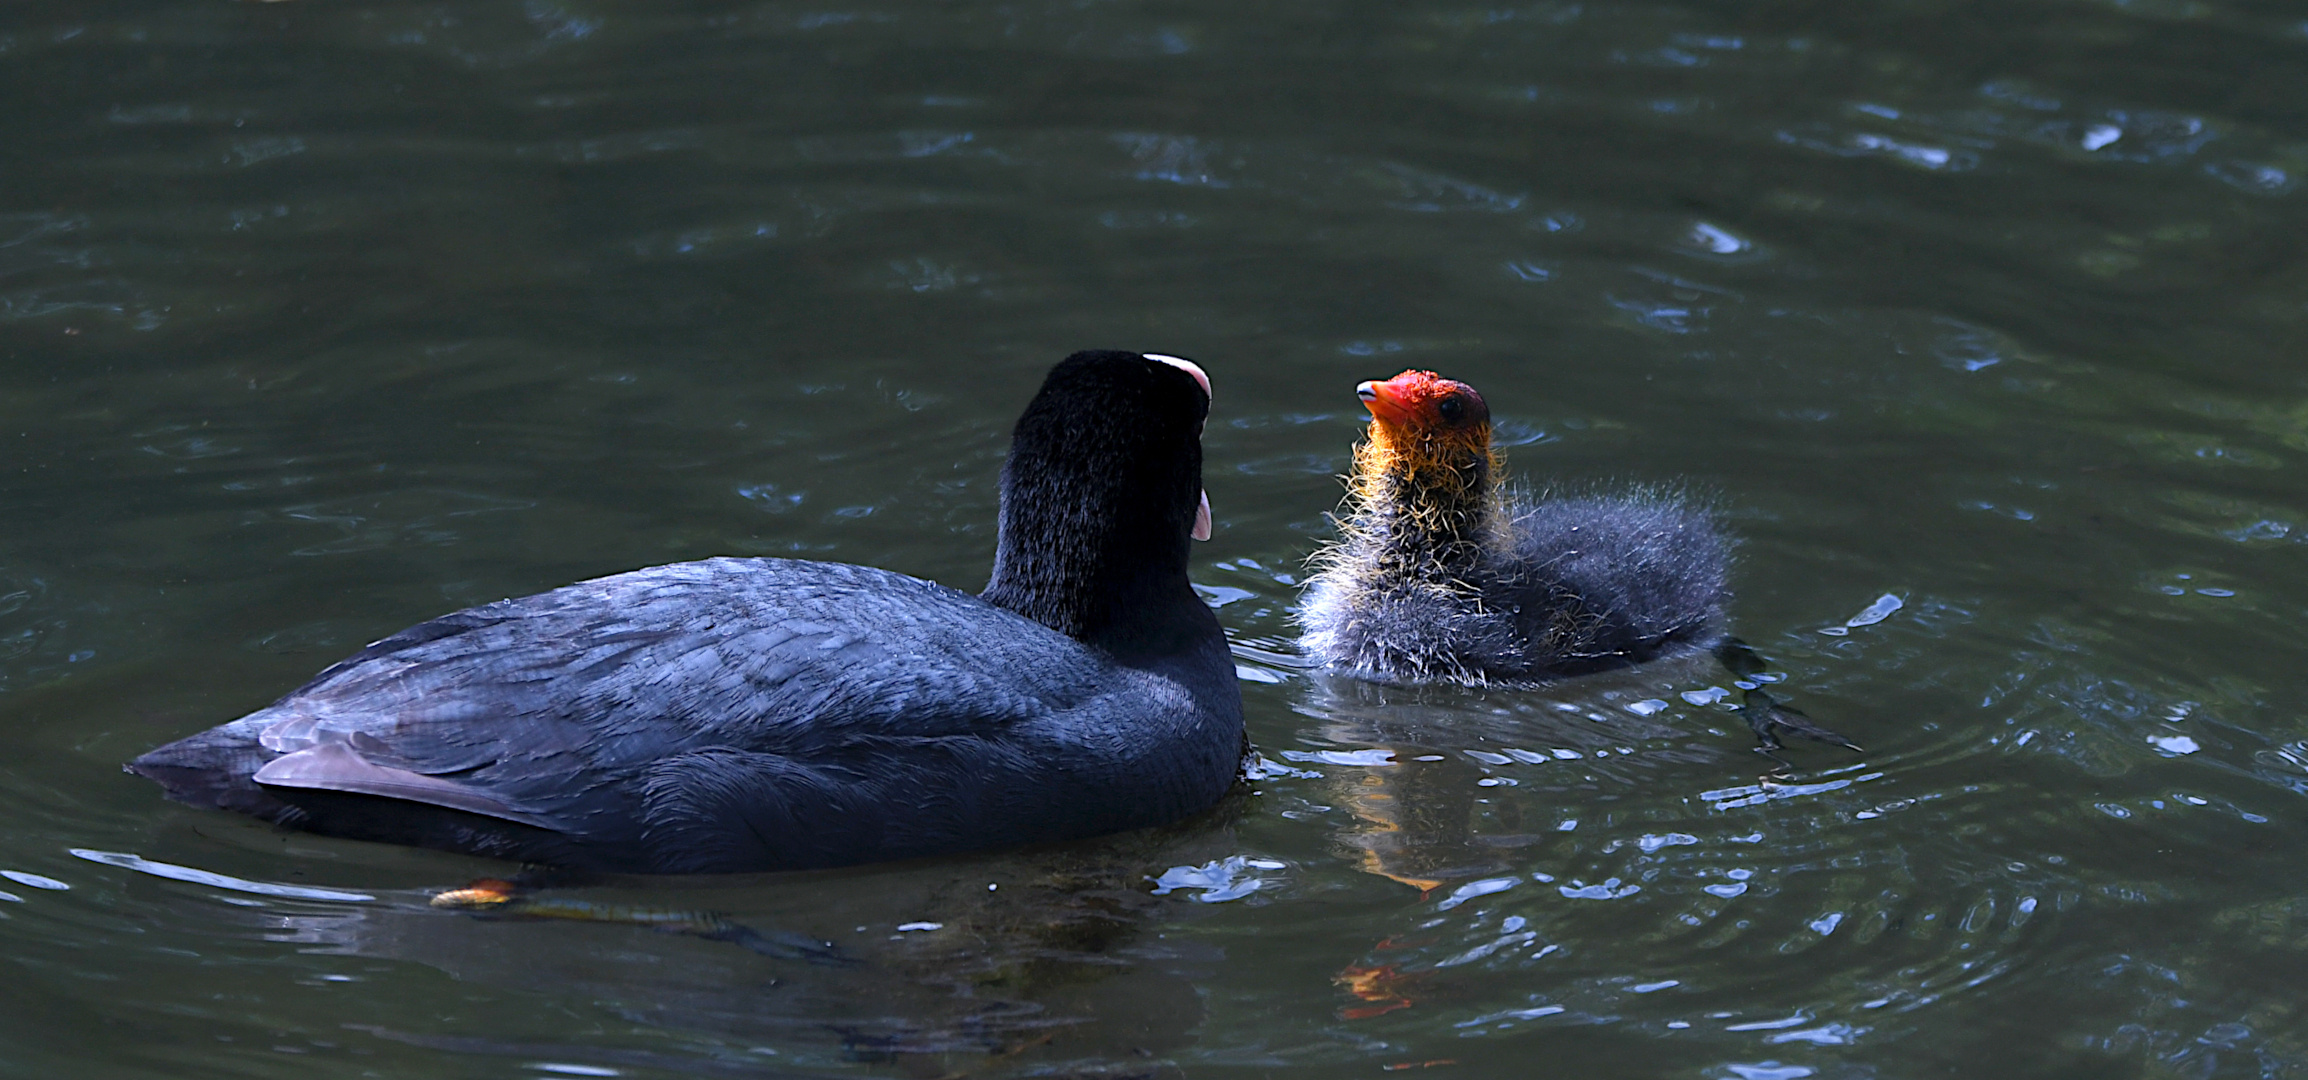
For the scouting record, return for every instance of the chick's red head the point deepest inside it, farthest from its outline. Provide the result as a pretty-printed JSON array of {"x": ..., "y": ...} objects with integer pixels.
[
  {"x": 1421, "y": 408},
  {"x": 1426, "y": 429}
]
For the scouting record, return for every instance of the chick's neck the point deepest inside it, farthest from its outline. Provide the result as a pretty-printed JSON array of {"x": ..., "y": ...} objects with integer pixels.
[{"x": 1428, "y": 499}]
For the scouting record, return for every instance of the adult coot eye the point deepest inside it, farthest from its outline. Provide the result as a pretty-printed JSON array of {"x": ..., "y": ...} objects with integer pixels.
[{"x": 1452, "y": 409}]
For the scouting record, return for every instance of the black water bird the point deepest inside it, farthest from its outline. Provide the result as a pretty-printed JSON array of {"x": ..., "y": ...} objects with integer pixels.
[{"x": 772, "y": 714}]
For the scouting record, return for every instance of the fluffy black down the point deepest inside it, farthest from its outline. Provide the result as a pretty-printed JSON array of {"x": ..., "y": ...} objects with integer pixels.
[{"x": 1584, "y": 583}]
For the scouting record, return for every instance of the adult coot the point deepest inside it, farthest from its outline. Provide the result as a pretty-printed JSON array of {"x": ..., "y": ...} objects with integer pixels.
[
  {"x": 1442, "y": 574},
  {"x": 769, "y": 714}
]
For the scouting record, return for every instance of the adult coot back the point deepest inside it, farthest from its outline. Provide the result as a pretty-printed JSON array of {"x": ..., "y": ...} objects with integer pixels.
[
  {"x": 771, "y": 714},
  {"x": 1441, "y": 573}
]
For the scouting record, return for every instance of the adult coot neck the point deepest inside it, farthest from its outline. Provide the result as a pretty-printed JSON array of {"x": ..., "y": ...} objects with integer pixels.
[{"x": 1123, "y": 593}]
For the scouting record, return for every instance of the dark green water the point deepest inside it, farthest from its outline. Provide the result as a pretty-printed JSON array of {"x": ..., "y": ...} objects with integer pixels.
[{"x": 320, "y": 318}]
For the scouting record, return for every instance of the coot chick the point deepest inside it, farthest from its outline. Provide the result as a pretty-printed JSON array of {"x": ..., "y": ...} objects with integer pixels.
[
  {"x": 772, "y": 714},
  {"x": 1442, "y": 574}
]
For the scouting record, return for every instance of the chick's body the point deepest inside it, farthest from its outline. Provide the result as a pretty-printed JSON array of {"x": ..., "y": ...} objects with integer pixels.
[{"x": 1443, "y": 574}]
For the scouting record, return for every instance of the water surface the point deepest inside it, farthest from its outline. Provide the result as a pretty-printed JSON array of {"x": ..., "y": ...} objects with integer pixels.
[{"x": 318, "y": 319}]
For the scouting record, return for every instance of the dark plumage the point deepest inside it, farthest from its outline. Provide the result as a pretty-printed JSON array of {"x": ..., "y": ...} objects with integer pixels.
[
  {"x": 1443, "y": 575},
  {"x": 768, "y": 714}
]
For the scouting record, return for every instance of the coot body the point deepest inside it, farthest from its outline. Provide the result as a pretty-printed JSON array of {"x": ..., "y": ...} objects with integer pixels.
[
  {"x": 771, "y": 714},
  {"x": 1443, "y": 574}
]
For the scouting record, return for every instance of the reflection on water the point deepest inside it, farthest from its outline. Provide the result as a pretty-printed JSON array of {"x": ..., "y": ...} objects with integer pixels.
[
  {"x": 317, "y": 320},
  {"x": 1060, "y": 957},
  {"x": 1452, "y": 787}
]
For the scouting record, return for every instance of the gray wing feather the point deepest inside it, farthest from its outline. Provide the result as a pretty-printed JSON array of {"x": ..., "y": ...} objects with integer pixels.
[
  {"x": 335, "y": 767},
  {"x": 495, "y": 709}
]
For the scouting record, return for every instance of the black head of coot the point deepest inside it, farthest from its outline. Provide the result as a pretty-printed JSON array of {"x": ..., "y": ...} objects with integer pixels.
[{"x": 1101, "y": 492}]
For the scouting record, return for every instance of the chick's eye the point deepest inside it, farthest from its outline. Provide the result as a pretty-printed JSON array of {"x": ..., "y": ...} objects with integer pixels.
[{"x": 1451, "y": 409}]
